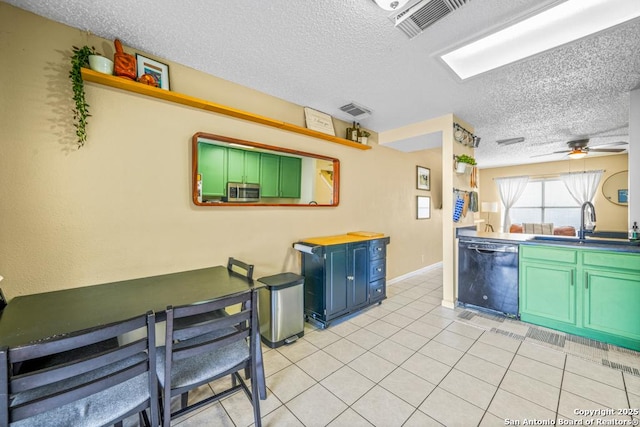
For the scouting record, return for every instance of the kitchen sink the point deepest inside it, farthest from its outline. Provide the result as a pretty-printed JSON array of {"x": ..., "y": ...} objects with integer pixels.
[{"x": 590, "y": 239}]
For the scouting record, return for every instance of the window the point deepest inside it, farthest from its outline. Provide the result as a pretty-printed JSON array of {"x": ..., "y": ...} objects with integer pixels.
[{"x": 546, "y": 200}]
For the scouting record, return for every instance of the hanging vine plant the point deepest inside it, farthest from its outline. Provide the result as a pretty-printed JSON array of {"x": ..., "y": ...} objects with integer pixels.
[{"x": 79, "y": 59}]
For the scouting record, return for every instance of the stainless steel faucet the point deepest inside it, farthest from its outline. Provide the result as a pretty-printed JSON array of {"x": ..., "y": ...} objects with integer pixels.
[{"x": 592, "y": 218}]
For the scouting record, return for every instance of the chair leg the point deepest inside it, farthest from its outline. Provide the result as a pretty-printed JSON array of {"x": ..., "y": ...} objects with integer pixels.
[{"x": 255, "y": 398}]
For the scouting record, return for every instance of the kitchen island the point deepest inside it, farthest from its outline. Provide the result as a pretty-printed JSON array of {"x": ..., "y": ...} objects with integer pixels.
[
  {"x": 342, "y": 274},
  {"x": 589, "y": 287}
]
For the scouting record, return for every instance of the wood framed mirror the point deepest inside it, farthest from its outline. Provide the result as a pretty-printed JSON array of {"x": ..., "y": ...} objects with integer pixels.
[
  {"x": 232, "y": 172},
  {"x": 615, "y": 188}
]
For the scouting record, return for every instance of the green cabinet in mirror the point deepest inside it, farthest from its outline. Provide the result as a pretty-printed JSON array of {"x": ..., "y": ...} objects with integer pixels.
[{"x": 284, "y": 176}]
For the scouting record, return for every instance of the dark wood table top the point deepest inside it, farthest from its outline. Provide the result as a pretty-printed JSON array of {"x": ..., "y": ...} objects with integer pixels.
[{"x": 32, "y": 318}]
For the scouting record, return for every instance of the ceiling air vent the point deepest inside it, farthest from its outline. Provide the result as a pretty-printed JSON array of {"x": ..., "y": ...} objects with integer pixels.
[
  {"x": 510, "y": 141},
  {"x": 416, "y": 18},
  {"x": 356, "y": 111}
]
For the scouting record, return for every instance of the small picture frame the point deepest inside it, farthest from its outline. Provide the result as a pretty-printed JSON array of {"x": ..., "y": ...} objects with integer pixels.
[
  {"x": 623, "y": 196},
  {"x": 423, "y": 207},
  {"x": 319, "y": 121},
  {"x": 423, "y": 178},
  {"x": 157, "y": 69}
]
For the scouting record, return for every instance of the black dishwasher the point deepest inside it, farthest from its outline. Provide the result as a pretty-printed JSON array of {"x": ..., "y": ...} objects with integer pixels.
[{"x": 488, "y": 276}]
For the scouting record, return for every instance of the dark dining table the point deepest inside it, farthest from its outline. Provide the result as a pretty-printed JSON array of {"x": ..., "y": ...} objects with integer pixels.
[{"x": 37, "y": 317}]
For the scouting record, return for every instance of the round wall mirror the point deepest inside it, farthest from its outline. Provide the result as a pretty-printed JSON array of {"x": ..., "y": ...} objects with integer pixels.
[{"x": 615, "y": 188}]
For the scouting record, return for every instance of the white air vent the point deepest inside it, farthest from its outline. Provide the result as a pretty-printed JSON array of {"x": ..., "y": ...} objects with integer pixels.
[
  {"x": 356, "y": 111},
  {"x": 510, "y": 141},
  {"x": 414, "y": 19}
]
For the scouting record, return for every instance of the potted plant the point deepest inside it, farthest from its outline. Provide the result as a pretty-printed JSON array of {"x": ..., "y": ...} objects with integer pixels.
[
  {"x": 80, "y": 59},
  {"x": 462, "y": 161},
  {"x": 364, "y": 135}
]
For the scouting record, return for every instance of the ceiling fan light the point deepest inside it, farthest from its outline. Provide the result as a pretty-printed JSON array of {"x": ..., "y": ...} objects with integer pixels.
[{"x": 577, "y": 154}]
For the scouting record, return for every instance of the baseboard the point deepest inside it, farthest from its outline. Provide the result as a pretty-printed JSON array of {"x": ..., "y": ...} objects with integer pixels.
[{"x": 414, "y": 273}]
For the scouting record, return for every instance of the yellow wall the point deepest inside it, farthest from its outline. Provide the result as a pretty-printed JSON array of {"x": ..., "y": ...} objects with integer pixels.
[
  {"x": 609, "y": 216},
  {"x": 120, "y": 207}
]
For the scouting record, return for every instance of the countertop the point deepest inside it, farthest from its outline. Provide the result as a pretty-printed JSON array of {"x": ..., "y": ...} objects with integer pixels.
[
  {"x": 351, "y": 237},
  {"x": 561, "y": 241}
]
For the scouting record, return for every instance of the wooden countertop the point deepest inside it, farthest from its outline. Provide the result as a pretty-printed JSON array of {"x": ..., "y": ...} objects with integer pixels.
[{"x": 351, "y": 237}]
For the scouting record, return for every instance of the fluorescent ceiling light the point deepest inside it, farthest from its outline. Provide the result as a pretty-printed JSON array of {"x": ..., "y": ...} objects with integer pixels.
[{"x": 567, "y": 22}]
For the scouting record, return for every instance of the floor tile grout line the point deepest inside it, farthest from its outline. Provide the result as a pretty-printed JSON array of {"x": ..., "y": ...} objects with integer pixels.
[
  {"x": 564, "y": 369},
  {"x": 498, "y": 386}
]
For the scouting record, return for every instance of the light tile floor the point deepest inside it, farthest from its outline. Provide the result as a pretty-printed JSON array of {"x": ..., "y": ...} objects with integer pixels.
[{"x": 411, "y": 362}]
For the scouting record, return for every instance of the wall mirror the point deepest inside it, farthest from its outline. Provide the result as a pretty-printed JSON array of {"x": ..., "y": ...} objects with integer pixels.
[
  {"x": 616, "y": 187},
  {"x": 233, "y": 172}
]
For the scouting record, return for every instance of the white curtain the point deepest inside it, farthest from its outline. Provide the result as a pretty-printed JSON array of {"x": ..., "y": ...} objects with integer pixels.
[
  {"x": 510, "y": 190},
  {"x": 582, "y": 185}
]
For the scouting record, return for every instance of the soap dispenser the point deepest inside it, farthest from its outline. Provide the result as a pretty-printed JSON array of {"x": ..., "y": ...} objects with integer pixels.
[{"x": 633, "y": 232}]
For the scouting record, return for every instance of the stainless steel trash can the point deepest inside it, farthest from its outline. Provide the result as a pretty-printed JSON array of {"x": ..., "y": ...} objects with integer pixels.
[{"x": 281, "y": 309}]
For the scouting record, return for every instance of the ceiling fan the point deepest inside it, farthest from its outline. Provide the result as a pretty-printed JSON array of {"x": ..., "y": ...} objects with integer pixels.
[{"x": 579, "y": 148}]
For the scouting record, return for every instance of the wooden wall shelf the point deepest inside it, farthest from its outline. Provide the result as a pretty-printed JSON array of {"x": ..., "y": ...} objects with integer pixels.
[{"x": 190, "y": 101}]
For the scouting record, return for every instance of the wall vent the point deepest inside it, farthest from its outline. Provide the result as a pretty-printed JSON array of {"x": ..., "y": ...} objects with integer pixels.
[
  {"x": 356, "y": 111},
  {"x": 424, "y": 13}
]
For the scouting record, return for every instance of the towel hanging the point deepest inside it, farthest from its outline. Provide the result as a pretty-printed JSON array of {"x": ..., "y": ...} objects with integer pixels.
[{"x": 458, "y": 204}]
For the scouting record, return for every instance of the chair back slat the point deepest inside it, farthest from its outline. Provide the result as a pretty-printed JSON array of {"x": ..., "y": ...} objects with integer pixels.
[
  {"x": 208, "y": 346},
  {"x": 64, "y": 370},
  {"x": 195, "y": 309},
  {"x": 70, "y": 341},
  {"x": 184, "y": 333},
  {"x": 248, "y": 268}
]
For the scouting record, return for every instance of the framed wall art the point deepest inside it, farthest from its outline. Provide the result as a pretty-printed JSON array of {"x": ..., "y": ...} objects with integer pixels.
[
  {"x": 423, "y": 178},
  {"x": 157, "y": 69},
  {"x": 319, "y": 121},
  {"x": 423, "y": 207}
]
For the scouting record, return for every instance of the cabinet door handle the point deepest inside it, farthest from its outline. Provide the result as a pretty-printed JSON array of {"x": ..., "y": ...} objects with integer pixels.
[
  {"x": 378, "y": 269},
  {"x": 572, "y": 277},
  {"x": 379, "y": 249},
  {"x": 349, "y": 277},
  {"x": 586, "y": 280}
]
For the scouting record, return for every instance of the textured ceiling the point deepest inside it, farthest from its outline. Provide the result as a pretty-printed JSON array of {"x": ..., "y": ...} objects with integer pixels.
[{"x": 326, "y": 53}]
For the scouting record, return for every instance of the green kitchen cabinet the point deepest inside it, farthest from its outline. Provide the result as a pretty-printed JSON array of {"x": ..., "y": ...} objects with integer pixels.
[
  {"x": 213, "y": 169},
  {"x": 611, "y": 302},
  {"x": 611, "y": 293},
  {"x": 269, "y": 175},
  {"x": 547, "y": 291},
  {"x": 243, "y": 166},
  {"x": 280, "y": 176},
  {"x": 587, "y": 292},
  {"x": 290, "y": 176}
]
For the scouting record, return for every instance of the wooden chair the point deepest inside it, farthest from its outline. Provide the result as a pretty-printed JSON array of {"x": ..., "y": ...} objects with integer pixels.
[
  {"x": 234, "y": 266},
  {"x": 196, "y": 353},
  {"x": 96, "y": 389},
  {"x": 239, "y": 265}
]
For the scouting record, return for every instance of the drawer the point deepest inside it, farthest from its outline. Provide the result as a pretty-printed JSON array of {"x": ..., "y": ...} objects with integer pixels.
[
  {"x": 613, "y": 260},
  {"x": 377, "y": 270},
  {"x": 377, "y": 290},
  {"x": 377, "y": 249},
  {"x": 547, "y": 253}
]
